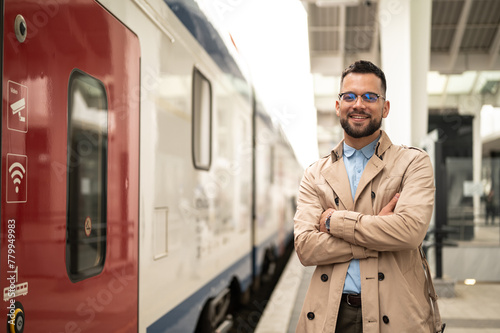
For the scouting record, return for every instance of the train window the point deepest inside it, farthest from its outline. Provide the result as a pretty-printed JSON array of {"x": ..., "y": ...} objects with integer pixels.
[
  {"x": 202, "y": 121},
  {"x": 86, "y": 176}
]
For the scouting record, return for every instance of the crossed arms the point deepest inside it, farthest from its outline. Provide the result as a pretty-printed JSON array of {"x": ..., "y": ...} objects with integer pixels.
[{"x": 400, "y": 225}]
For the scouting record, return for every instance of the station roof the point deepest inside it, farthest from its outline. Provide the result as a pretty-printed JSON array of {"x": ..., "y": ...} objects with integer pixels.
[{"x": 464, "y": 50}]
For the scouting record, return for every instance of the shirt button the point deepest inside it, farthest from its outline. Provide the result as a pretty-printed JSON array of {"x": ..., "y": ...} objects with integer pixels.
[
  {"x": 324, "y": 277},
  {"x": 384, "y": 318},
  {"x": 310, "y": 315}
]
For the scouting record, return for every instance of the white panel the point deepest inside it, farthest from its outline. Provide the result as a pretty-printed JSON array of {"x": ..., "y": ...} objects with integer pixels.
[{"x": 160, "y": 234}]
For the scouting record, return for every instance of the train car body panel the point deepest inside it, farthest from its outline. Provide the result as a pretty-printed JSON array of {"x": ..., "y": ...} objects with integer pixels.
[
  {"x": 70, "y": 150},
  {"x": 194, "y": 197},
  {"x": 277, "y": 174},
  {"x": 195, "y": 220}
]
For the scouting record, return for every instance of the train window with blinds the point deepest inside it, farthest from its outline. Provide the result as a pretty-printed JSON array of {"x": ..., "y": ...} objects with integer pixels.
[
  {"x": 202, "y": 121},
  {"x": 86, "y": 176}
]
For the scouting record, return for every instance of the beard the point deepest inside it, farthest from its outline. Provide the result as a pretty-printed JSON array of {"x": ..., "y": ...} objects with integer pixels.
[{"x": 358, "y": 131}]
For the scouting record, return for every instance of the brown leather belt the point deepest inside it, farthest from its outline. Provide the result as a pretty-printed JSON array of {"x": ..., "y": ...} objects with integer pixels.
[{"x": 353, "y": 300}]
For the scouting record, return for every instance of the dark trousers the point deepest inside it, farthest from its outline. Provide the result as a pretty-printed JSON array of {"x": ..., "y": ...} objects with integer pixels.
[{"x": 349, "y": 320}]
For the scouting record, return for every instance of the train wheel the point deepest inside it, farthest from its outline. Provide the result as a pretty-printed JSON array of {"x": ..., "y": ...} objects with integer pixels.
[
  {"x": 269, "y": 266},
  {"x": 15, "y": 319},
  {"x": 214, "y": 317},
  {"x": 206, "y": 322},
  {"x": 236, "y": 297}
]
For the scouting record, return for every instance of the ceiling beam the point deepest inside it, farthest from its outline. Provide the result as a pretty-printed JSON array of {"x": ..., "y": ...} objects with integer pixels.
[
  {"x": 464, "y": 62},
  {"x": 444, "y": 95},
  {"x": 331, "y": 64},
  {"x": 495, "y": 48},
  {"x": 375, "y": 49},
  {"x": 475, "y": 82},
  {"x": 459, "y": 33},
  {"x": 342, "y": 30}
]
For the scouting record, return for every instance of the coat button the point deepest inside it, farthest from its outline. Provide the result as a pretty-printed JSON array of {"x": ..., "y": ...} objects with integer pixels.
[
  {"x": 373, "y": 195},
  {"x": 324, "y": 277},
  {"x": 381, "y": 276},
  {"x": 337, "y": 201},
  {"x": 310, "y": 315},
  {"x": 385, "y": 319}
]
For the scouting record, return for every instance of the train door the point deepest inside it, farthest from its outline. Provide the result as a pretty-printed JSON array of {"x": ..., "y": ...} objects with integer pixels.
[{"x": 69, "y": 157}]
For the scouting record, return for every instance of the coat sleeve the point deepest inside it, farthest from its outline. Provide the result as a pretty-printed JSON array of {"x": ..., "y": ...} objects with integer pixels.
[
  {"x": 312, "y": 246},
  {"x": 406, "y": 228}
]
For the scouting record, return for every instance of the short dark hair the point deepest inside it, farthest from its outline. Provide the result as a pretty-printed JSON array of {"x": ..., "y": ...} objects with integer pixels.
[{"x": 365, "y": 67}]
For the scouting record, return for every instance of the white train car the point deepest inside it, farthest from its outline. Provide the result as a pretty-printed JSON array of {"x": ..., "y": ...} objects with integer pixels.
[
  {"x": 276, "y": 177},
  {"x": 152, "y": 188}
]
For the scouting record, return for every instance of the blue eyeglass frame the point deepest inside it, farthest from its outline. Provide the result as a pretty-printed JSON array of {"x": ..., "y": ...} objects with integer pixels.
[{"x": 365, "y": 97}]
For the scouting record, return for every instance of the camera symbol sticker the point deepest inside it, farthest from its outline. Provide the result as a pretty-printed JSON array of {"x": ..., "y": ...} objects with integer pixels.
[
  {"x": 17, "y": 182},
  {"x": 17, "y": 111}
]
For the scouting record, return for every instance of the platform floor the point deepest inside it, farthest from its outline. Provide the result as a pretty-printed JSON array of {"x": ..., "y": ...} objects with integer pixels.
[{"x": 475, "y": 309}]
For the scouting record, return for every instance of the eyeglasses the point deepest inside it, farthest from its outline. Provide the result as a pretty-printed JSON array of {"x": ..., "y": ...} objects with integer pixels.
[{"x": 368, "y": 97}]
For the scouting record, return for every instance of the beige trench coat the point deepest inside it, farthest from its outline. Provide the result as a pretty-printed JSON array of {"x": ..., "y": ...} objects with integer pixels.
[{"x": 394, "y": 290}]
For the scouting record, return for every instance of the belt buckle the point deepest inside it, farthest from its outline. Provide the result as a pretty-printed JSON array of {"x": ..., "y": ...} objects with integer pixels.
[{"x": 347, "y": 299}]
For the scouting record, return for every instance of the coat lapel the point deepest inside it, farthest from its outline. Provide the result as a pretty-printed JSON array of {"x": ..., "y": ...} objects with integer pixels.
[
  {"x": 336, "y": 176},
  {"x": 374, "y": 166}
]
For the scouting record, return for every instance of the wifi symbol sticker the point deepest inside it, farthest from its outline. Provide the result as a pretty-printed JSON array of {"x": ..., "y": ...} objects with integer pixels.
[{"x": 17, "y": 185}]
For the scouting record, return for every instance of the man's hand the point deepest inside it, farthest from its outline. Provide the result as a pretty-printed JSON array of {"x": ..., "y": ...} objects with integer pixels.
[{"x": 389, "y": 208}]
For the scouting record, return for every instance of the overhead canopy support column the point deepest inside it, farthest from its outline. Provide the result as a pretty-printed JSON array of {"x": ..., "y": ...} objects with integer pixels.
[{"x": 405, "y": 51}]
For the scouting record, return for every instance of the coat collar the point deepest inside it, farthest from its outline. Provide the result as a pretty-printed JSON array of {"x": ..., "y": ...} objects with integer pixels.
[
  {"x": 383, "y": 144},
  {"x": 336, "y": 175}
]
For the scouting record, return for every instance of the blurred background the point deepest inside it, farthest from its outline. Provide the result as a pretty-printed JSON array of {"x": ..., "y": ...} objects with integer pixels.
[{"x": 441, "y": 60}]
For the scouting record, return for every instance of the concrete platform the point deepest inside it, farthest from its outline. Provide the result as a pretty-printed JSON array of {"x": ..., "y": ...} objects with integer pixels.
[{"x": 474, "y": 309}]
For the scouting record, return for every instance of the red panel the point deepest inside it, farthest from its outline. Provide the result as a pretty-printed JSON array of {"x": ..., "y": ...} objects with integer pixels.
[{"x": 63, "y": 36}]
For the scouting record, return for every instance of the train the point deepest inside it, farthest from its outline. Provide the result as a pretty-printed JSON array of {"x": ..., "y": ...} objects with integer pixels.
[{"x": 145, "y": 187}]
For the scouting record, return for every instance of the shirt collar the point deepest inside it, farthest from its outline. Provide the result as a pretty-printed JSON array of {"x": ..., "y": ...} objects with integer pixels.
[
  {"x": 367, "y": 150},
  {"x": 348, "y": 150}
]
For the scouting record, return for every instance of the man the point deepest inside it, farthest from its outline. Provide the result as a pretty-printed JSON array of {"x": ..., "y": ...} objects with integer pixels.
[{"x": 362, "y": 213}]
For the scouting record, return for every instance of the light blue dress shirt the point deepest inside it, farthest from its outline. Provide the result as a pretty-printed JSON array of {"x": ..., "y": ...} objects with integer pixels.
[{"x": 355, "y": 162}]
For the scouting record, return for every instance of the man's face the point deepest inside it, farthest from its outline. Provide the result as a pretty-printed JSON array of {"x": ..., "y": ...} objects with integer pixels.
[{"x": 360, "y": 118}]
